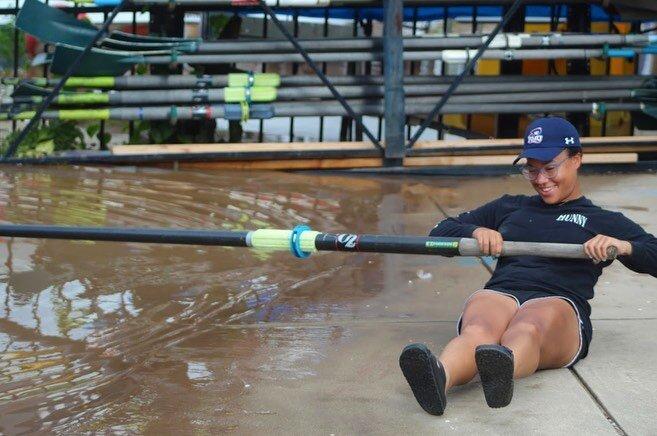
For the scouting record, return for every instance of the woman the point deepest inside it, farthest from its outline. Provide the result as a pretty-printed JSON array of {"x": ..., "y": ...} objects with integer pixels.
[{"x": 533, "y": 313}]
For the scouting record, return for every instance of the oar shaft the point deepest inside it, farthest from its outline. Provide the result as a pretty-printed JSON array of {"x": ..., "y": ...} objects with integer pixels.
[
  {"x": 123, "y": 60},
  {"x": 314, "y": 109},
  {"x": 309, "y": 241},
  {"x": 479, "y": 93},
  {"x": 157, "y": 236},
  {"x": 219, "y": 81}
]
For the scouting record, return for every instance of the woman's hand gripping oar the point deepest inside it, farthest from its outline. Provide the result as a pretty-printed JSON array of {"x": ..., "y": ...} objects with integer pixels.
[{"x": 490, "y": 242}]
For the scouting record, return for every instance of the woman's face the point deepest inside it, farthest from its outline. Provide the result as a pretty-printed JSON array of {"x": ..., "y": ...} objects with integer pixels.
[{"x": 556, "y": 181}]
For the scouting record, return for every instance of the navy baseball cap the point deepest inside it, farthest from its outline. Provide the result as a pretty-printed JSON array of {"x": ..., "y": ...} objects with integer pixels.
[{"x": 546, "y": 137}]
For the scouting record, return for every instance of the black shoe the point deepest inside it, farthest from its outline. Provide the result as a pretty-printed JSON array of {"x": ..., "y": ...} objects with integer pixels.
[
  {"x": 426, "y": 376},
  {"x": 495, "y": 365}
]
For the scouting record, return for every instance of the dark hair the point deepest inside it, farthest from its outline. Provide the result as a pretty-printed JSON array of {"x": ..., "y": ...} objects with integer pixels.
[{"x": 574, "y": 151}]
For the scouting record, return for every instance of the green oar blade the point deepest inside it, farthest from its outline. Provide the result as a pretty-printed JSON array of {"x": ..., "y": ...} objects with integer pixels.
[
  {"x": 52, "y": 25},
  {"x": 97, "y": 62},
  {"x": 29, "y": 89},
  {"x": 41, "y": 59}
]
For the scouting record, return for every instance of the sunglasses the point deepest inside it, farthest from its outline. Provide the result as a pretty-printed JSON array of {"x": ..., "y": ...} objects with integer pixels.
[{"x": 550, "y": 170}]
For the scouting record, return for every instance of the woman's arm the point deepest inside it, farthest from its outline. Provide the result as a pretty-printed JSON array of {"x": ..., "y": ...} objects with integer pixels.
[
  {"x": 463, "y": 225},
  {"x": 637, "y": 249}
]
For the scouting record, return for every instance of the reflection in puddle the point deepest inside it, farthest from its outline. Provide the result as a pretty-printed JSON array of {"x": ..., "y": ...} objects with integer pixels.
[{"x": 124, "y": 337}]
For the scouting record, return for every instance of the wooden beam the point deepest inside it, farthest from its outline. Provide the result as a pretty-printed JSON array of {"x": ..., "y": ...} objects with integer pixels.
[
  {"x": 443, "y": 147},
  {"x": 316, "y": 164},
  {"x": 126, "y": 150},
  {"x": 288, "y": 164},
  {"x": 506, "y": 160}
]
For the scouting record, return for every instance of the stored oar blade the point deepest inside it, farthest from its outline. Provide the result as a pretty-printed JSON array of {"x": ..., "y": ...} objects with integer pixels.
[
  {"x": 52, "y": 25},
  {"x": 41, "y": 59},
  {"x": 644, "y": 94},
  {"x": 97, "y": 62},
  {"x": 28, "y": 89},
  {"x": 57, "y": 27}
]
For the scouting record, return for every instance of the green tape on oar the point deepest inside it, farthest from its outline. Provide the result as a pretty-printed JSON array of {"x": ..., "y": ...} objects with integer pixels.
[
  {"x": 90, "y": 82},
  {"x": 255, "y": 94},
  {"x": 22, "y": 115},
  {"x": 260, "y": 79},
  {"x": 37, "y": 81},
  {"x": 272, "y": 239},
  {"x": 84, "y": 114},
  {"x": 86, "y": 98}
]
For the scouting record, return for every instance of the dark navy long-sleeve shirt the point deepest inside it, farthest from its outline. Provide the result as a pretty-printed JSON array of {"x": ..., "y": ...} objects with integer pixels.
[{"x": 523, "y": 218}]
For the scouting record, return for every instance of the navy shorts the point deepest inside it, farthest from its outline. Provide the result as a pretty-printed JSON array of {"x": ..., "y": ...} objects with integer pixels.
[{"x": 521, "y": 297}]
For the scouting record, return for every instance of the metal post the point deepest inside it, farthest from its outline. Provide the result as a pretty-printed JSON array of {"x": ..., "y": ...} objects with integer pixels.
[
  {"x": 394, "y": 77},
  {"x": 507, "y": 124},
  {"x": 263, "y": 69},
  {"x": 579, "y": 20}
]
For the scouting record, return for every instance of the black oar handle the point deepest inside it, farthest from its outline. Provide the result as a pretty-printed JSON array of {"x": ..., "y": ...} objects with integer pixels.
[{"x": 470, "y": 247}]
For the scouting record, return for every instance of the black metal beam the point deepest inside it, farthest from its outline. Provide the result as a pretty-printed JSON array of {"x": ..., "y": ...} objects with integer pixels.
[
  {"x": 318, "y": 72},
  {"x": 468, "y": 66},
  {"x": 393, "y": 67},
  {"x": 507, "y": 124},
  {"x": 579, "y": 20}
]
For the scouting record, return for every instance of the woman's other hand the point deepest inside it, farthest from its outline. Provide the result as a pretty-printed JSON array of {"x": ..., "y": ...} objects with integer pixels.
[
  {"x": 597, "y": 247},
  {"x": 490, "y": 241}
]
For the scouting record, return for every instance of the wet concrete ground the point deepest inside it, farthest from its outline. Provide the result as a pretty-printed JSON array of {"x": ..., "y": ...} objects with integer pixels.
[{"x": 146, "y": 338}]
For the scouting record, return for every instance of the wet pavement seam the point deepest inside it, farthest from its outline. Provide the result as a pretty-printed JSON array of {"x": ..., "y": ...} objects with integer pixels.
[{"x": 598, "y": 402}]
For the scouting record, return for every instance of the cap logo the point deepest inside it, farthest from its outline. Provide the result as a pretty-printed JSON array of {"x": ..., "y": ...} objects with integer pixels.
[
  {"x": 535, "y": 136},
  {"x": 569, "y": 140}
]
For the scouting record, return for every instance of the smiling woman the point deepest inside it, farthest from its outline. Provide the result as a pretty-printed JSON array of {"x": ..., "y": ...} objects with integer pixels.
[{"x": 533, "y": 313}]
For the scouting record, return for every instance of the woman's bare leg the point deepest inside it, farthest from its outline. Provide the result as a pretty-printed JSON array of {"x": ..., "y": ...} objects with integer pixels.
[
  {"x": 544, "y": 333},
  {"x": 485, "y": 319}
]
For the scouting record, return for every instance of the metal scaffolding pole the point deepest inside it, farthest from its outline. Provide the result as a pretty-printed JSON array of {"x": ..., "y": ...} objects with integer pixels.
[
  {"x": 393, "y": 67},
  {"x": 579, "y": 20}
]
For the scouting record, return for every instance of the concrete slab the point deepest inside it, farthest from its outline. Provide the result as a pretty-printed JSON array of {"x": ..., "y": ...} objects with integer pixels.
[
  {"x": 620, "y": 372},
  {"x": 624, "y": 294},
  {"x": 357, "y": 388}
]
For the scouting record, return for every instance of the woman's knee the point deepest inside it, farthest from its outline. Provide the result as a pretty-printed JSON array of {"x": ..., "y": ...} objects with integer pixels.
[
  {"x": 526, "y": 328},
  {"x": 487, "y": 314},
  {"x": 481, "y": 333}
]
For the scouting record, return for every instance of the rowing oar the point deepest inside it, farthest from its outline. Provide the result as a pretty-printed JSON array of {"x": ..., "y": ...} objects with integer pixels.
[
  {"x": 326, "y": 3},
  {"x": 301, "y": 241},
  {"x": 57, "y": 27},
  {"x": 109, "y": 62},
  {"x": 261, "y": 111},
  {"x": 51, "y": 24},
  {"x": 527, "y": 92},
  {"x": 274, "y": 80}
]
